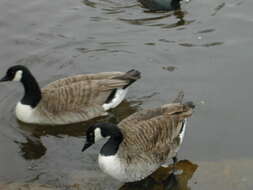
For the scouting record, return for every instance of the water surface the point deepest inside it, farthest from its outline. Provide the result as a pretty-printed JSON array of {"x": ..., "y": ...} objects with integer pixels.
[{"x": 204, "y": 49}]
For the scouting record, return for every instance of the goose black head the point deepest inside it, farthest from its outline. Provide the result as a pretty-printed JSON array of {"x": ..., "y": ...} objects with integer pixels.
[
  {"x": 15, "y": 73},
  {"x": 100, "y": 131},
  {"x": 32, "y": 90}
]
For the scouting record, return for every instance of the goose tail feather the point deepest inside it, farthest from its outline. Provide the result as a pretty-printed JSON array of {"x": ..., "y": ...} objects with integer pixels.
[
  {"x": 179, "y": 98},
  {"x": 130, "y": 76}
]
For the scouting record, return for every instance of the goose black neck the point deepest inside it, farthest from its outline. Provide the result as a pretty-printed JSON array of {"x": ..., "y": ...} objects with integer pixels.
[
  {"x": 175, "y": 4},
  {"x": 32, "y": 90},
  {"x": 112, "y": 145}
]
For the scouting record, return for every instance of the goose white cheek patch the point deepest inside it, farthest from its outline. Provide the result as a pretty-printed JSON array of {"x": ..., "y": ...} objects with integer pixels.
[
  {"x": 18, "y": 76},
  {"x": 98, "y": 134}
]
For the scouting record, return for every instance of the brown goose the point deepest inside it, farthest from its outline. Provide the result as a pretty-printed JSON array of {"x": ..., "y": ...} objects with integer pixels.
[
  {"x": 142, "y": 142},
  {"x": 72, "y": 99}
]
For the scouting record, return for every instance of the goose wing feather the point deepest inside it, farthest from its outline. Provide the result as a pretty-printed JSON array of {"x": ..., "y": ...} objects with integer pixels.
[
  {"x": 150, "y": 134},
  {"x": 75, "y": 96},
  {"x": 83, "y": 77}
]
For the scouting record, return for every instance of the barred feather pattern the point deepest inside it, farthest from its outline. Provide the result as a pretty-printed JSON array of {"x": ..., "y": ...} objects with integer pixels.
[
  {"x": 151, "y": 138},
  {"x": 83, "y": 77},
  {"x": 77, "y": 98}
]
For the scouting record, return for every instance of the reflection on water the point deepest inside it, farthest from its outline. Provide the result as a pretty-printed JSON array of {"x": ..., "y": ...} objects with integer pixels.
[
  {"x": 163, "y": 17},
  {"x": 142, "y": 21},
  {"x": 206, "y": 31},
  {"x": 111, "y": 6},
  {"x": 61, "y": 38},
  {"x": 201, "y": 45},
  {"x": 169, "y": 68},
  {"x": 149, "y": 21},
  {"x": 89, "y": 3},
  {"x": 32, "y": 149},
  {"x": 218, "y": 8},
  {"x": 163, "y": 179},
  {"x": 105, "y": 50}
]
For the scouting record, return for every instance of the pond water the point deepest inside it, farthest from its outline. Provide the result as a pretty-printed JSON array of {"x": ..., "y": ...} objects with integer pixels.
[{"x": 204, "y": 49}]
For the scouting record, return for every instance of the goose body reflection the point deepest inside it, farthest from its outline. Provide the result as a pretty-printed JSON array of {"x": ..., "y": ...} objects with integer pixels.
[
  {"x": 71, "y": 99},
  {"x": 142, "y": 142}
]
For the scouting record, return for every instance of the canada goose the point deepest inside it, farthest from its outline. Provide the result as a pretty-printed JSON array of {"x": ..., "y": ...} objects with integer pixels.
[
  {"x": 161, "y": 5},
  {"x": 142, "y": 142},
  {"x": 69, "y": 100}
]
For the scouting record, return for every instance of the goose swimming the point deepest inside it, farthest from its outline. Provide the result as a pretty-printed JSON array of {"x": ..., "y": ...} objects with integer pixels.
[
  {"x": 69, "y": 100},
  {"x": 161, "y": 5},
  {"x": 142, "y": 142}
]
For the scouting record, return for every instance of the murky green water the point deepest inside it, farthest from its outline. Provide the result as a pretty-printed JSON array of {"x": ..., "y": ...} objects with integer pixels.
[{"x": 204, "y": 49}]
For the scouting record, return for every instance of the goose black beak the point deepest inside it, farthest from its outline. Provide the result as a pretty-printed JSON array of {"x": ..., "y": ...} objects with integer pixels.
[
  {"x": 4, "y": 79},
  {"x": 86, "y": 145}
]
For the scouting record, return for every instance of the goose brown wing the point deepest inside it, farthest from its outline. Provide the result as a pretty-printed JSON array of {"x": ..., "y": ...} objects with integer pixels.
[
  {"x": 144, "y": 115},
  {"x": 83, "y": 77},
  {"x": 154, "y": 137},
  {"x": 78, "y": 95}
]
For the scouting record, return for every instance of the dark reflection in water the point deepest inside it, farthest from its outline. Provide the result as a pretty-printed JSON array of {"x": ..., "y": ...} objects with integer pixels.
[
  {"x": 169, "y": 68},
  {"x": 105, "y": 50},
  {"x": 162, "y": 179},
  {"x": 201, "y": 45},
  {"x": 89, "y": 3},
  {"x": 218, "y": 8},
  {"x": 142, "y": 21},
  {"x": 149, "y": 21},
  {"x": 113, "y": 8},
  {"x": 32, "y": 149},
  {"x": 206, "y": 31}
]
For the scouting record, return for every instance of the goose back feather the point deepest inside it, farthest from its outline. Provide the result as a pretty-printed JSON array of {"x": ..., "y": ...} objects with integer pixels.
[
  {"x": 153, "y": 132},
  {"x": 151, "y": 139},
  {"x": 78, "y": 98}
]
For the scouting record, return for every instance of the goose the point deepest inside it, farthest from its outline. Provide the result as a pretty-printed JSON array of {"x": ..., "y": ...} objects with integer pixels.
[
  {"x": 161, "y": 5},
  {"x": 142, "y": 142},
  {"x": 69, "y": 100}
]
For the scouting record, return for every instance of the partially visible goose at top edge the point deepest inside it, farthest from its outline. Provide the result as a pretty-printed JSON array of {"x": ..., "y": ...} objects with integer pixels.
[
  {"x": 142, "y": 142},
  {"x": 72, "y": 99},
  {"x": 161, "y": 5}
]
